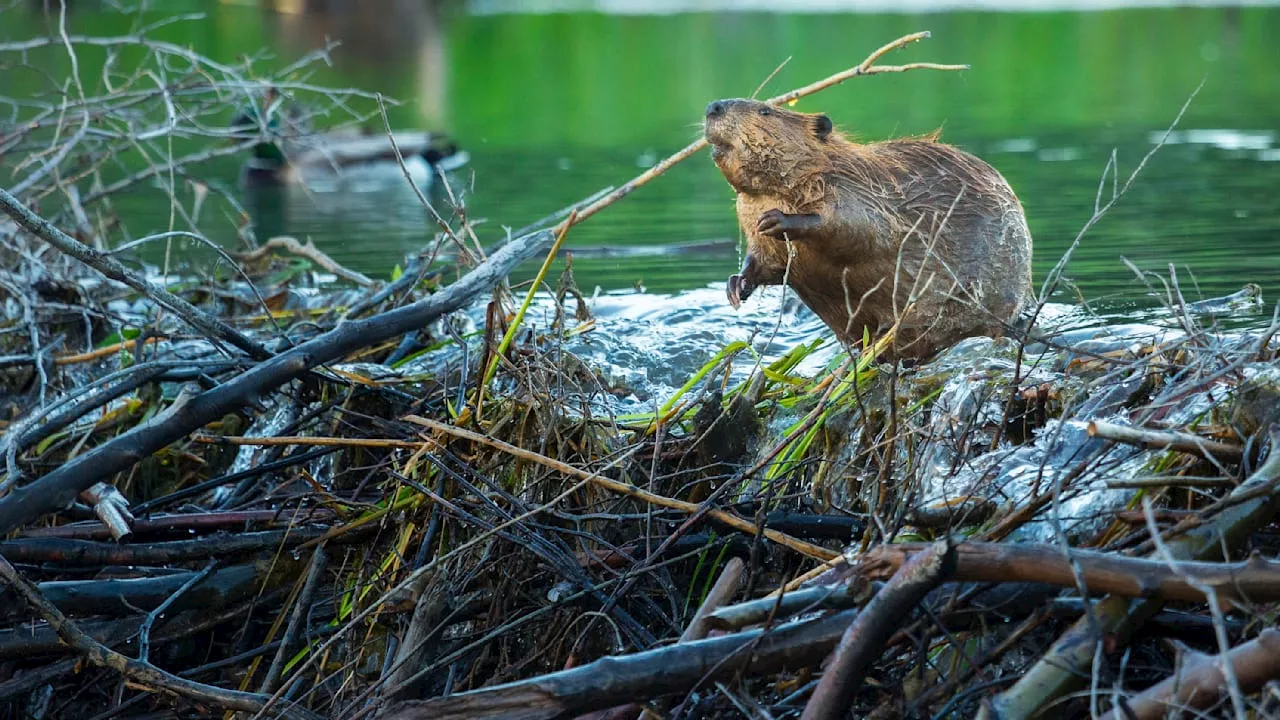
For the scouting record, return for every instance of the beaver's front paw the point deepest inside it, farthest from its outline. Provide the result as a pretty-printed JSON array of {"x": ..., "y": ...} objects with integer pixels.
[
  {"x": 772, "y": 223},
  {"x": 781, "y": 226}
]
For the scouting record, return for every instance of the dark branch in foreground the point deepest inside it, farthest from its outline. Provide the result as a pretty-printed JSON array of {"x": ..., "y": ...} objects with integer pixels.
[
  {"x": 863, "y": 642},
  {"x": 611, "y": 681},
  {"x": 60, "y": 487},
  {"x": 140, "y": 672}
]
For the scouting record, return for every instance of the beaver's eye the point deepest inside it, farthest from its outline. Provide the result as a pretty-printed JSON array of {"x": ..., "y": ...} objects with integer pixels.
[{"x": 765, "y": 111}]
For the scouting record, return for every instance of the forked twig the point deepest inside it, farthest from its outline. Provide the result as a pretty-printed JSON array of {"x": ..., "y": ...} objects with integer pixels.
[{"x": 866, "y": 67}]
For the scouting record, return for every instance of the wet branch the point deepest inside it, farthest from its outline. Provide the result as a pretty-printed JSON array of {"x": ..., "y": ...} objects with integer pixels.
[
  {"x": 864, "y": 640},
  {"x": 1159, "y": 440},
  {"x": 612, "y": 681}
]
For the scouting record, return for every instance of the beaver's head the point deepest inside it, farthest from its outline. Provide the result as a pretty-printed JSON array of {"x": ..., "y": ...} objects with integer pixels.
[{"x": 762, "y": 148}]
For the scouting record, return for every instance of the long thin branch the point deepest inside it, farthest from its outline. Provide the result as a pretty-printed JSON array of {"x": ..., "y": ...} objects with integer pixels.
[{"x": 866, "y": 67}]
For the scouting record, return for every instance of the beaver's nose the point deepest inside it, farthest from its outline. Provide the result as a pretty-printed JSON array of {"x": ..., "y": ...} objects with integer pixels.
[{"x": 716, "y": 108}]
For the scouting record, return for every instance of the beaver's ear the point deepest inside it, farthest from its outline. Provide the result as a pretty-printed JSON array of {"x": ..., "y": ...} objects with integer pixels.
[{"x": 821, "y": 126}]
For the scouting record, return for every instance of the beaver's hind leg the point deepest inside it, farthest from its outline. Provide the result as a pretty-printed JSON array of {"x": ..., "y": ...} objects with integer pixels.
[{"x": 781, "y": 226}]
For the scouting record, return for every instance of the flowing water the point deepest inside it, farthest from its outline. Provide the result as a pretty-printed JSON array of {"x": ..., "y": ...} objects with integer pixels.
[{"x": 556, "y": 100}]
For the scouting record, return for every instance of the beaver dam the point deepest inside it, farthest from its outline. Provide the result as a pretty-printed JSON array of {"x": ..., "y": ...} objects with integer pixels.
[{"x": 279, "y": 488}]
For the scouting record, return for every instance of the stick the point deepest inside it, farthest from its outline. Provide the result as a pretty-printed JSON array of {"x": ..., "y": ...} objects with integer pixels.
[
  {"x": 726, "y": 518},
  {"x": 310, "y": 252},
  {"x": 866, "y": 67},
  {"x": 614, "y": 680},
  {"x": 87, "y": 553},
  {"x": 309, "y": 440},
  {"x": 58, "y": 489},
  {"x": 301, "y": 609},
  {"x": 112, "y": 268},
  {"x": 726, "y": 585},
  {"x": 1159, "y": 440}
]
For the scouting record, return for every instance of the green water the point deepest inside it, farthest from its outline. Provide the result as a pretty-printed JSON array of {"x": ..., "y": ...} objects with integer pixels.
[{"x": 554, "y": 107}]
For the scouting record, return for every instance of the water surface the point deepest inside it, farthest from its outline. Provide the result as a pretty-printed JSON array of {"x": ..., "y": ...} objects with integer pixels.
[{"x": 554, "y": 106}]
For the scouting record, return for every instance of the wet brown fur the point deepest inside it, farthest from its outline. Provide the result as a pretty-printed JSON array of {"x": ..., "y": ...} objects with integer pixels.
[{"x": 943, "y": 223}]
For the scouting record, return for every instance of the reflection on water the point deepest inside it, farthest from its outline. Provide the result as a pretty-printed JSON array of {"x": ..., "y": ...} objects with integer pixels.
[{"x": 554, "y": 107}]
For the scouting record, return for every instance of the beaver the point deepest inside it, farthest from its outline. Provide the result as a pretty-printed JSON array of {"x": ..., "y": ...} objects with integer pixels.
[{"x": 863, "y": 232}]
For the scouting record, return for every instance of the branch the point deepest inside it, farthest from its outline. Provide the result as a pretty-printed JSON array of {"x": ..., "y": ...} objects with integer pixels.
[
  {"x": 864, "y": 640},
  {"x": 301, "y": 608},
  {"x": 1255, "y": 580},
  {"x": 866, "y": 67},
  {"x": 59, "y": 488},
  {"x": 310, "y": 252},
  {"x": 1159, "y": 440},
  {"x": 615, "y": 680},
  {"x": 1199, "y": 683}
]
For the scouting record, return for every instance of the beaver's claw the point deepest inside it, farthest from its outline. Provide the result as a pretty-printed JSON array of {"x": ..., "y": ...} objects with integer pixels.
[
  {"x": 738, "y": 289},
  {"x": 781, "y": 226}
]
